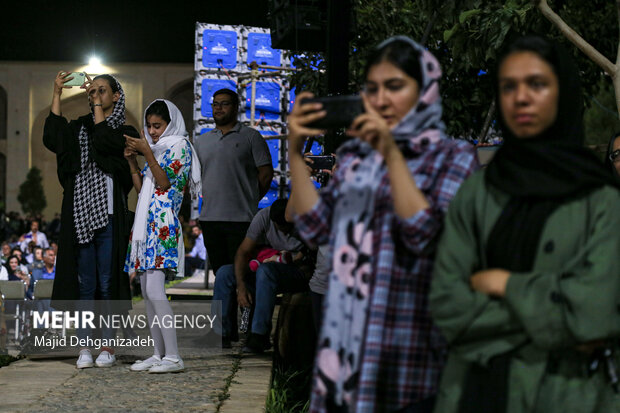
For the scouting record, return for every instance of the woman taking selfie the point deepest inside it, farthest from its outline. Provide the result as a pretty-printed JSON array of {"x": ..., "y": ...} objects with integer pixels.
[
  {"x": 526, "y": 285},
  {"x": 96, "y": 180},
  {"x": 156, "y": 245},
  {"x": 381, "y": 213}
]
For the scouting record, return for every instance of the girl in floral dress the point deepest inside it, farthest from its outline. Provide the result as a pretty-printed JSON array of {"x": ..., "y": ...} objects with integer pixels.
[{"x": 156, "y": 243}]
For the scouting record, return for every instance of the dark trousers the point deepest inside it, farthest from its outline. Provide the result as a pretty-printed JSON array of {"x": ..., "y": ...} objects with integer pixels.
[
  {"x": 222, "y": 240},
  {"x": 317, "y": 310},
  {"x": 191, "y": 264}
]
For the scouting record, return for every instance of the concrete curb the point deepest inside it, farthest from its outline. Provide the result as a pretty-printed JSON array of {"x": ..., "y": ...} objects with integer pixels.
[{"x": 250, "y": 386}]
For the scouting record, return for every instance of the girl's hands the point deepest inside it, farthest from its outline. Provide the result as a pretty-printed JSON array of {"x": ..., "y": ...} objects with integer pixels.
[
  {"x": 59, "y": 83},
  {"x": 302, "y": 115},
  {"x": 129, "y": 154},
  {"x": 372, "y": 128},
  {"x": 136, "y": 145}
]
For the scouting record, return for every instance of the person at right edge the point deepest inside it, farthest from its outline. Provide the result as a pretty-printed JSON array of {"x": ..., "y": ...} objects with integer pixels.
[
  {"x": 612, "y": 159},
  {"x": 526, "y": 286}
]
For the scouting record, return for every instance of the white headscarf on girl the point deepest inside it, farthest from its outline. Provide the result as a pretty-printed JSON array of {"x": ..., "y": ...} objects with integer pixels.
[{"x": 174, "y": 133}]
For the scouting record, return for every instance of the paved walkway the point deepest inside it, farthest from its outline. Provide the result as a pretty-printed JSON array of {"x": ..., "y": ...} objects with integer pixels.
[{"x": 217, "y": 381}]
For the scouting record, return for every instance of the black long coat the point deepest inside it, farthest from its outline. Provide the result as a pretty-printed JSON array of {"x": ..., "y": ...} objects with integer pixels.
[{"x": 61, "y": 137}]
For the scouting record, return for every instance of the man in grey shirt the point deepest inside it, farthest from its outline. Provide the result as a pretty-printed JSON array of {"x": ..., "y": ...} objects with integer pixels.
[
  {"x": 236, "y": 174},
  {"x": 268, "y": 228}
]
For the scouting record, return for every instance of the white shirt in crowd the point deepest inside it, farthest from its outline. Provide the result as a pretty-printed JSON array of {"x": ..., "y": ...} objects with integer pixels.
[
  {"x": 199, "y": 249},
  {"x": 41, "y": 241}
]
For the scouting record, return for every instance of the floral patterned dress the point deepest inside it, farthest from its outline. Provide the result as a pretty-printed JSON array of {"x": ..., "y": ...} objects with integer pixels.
[{"x": 164, "y": 230}]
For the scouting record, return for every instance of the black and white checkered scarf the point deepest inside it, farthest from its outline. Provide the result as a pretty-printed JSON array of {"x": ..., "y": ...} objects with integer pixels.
[{"x": 90, "y": 198}]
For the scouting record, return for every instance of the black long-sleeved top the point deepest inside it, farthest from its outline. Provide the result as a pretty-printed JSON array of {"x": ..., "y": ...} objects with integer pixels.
[{"x": 61, "y": 137}]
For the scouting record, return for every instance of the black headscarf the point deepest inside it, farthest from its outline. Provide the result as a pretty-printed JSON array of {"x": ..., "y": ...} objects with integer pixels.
[
  {"x": 542, "y": 172},
  {"x": 608, "y": 162}
]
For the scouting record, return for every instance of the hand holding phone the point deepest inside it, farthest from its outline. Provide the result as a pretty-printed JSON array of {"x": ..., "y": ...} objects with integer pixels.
[
  {"x": 321, "y": 162},
  {"x": 75, "y": 79},
  {"x": 341, "y": 111}
]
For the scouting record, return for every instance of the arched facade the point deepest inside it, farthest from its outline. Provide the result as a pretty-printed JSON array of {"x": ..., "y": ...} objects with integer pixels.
[{"x": 25, "y": 97}]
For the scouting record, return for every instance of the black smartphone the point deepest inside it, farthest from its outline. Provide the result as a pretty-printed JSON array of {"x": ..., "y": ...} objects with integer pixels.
[
  {"x": 322, "y": 161},
  {"x": 341, "y": 111}
]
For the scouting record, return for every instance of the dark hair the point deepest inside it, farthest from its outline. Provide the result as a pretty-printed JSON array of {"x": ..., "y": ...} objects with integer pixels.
[
  {"x": 401, "y": 54},
  {"x": 276, "y": 211},
  {"x": 111, "y": 81},
  {"x": 568, "y": 125},
  {"x": 233, "y": 95},
  {"x": 608, "y": 162},
  {"x": 535, "y": 44},
  {"x": 160, "y": 109},
  {"x": 15, "y": 249},
  {"x": 8, "y": 260}
]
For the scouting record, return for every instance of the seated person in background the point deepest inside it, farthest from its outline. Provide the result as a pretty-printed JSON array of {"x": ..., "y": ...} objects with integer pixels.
[
  {"x": 36, "y": 260},
  {"x": 20, "y": 257},
  {"x": 16, "y": 273},
  {"x": 196, "y": 258},
  {"x": 4, "y": 274},
  {"x": 268, "y": 228},
  {"x": 34, "y": 235},
  {"x": 46, "y": 272},
  {"x": 6, "y": 252}
]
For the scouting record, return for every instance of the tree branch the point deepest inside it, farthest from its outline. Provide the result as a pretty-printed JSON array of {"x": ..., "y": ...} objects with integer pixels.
[
  {"x": 618, "y": 55},
  {"x": 576, "y": 39}
]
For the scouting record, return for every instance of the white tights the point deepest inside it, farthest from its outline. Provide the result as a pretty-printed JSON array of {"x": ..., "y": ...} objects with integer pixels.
[{"x": 152, "y": 283}]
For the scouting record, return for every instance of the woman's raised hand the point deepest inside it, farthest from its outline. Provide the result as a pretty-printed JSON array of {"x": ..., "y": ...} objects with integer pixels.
[
  {"x": 59, "y": 83},
  {"x": 91, "y": 91},
  {"x": 372, "y": 128},
  {"x": 302, "y": 115}
]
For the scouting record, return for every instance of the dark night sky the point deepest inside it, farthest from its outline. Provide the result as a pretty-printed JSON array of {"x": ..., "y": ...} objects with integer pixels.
[{"x": 129, "y": 31}]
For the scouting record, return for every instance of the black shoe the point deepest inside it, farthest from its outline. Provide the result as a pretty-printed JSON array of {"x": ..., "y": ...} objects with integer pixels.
[
  {"x": 256, "y": 344},
  {"x": 226, "y": 342}
]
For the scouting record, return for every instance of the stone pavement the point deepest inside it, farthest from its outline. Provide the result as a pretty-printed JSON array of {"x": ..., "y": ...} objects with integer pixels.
[{"x": 221, "y": 381}]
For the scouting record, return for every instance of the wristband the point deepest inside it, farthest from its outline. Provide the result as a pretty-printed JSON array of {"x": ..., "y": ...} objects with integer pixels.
[
  {"x": 135, "y": 172},
  {"x": 97, "y": 104}
]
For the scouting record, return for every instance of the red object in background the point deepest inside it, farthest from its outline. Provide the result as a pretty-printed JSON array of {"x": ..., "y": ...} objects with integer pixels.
[{"x": 267, "y": 252}]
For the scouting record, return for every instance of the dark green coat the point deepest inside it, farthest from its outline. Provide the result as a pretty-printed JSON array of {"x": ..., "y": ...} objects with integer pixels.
[
  {"x": 571, "y": 296},
  {"x": 61, "y": 137}
]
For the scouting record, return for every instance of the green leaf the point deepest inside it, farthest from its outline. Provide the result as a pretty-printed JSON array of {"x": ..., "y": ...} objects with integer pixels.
[
  {"x": 447, "y": 34},
  {"x": 466, "y": 15}
]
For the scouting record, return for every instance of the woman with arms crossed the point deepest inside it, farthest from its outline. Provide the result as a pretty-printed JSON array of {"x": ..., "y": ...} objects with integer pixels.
[{"x": 527, "y": 279}]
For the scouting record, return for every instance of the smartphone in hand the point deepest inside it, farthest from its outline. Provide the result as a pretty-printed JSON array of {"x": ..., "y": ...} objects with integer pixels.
[
  {"x": 78, "y": 79},
  {"x": 321, "y": 162},
  {"x": 341, "y": 111}
]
